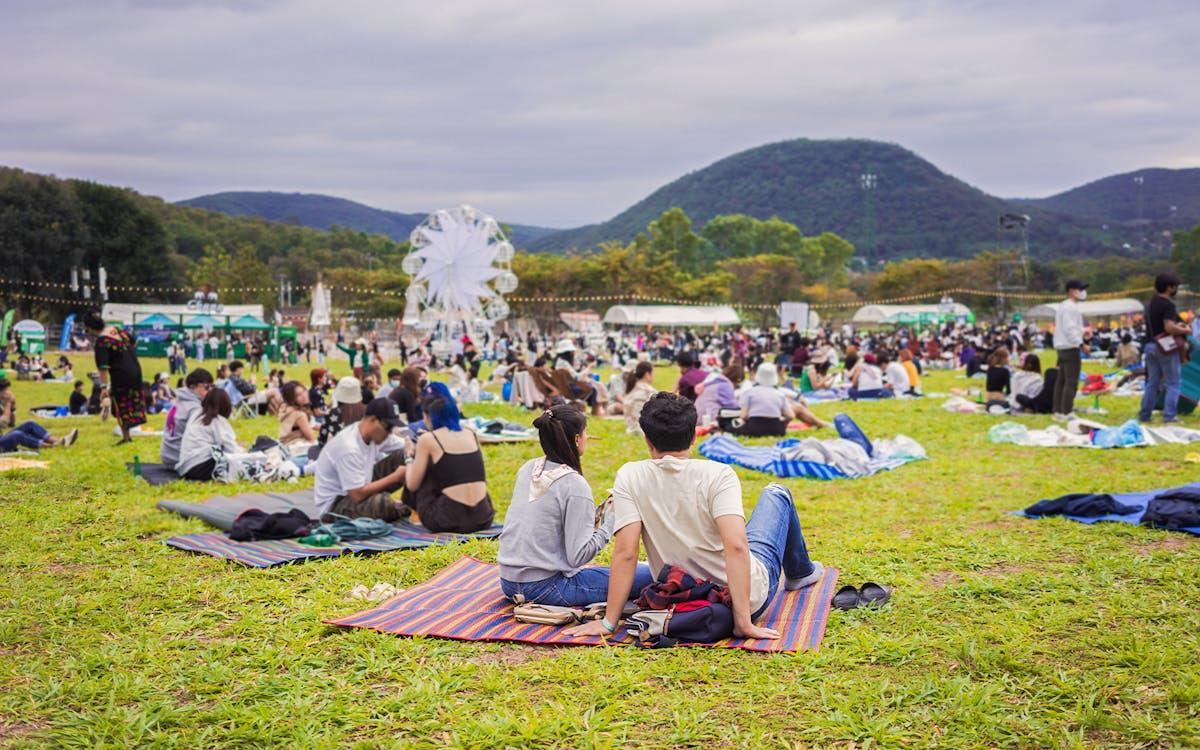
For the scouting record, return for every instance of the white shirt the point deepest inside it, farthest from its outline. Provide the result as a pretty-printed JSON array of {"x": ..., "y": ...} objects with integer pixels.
[
  {"x": 346, "y": 464},
  {"x": 764, "y": 401},
  {"x": 869, "y": 377},
  {"x": 897, "y": 377},
  {"x": 677, "y": 502},
  {"x": 1068, "y": 325}
]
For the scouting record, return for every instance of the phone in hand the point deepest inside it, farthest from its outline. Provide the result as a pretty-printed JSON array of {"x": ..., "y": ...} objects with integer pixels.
[{"x": 603, "y": 510}]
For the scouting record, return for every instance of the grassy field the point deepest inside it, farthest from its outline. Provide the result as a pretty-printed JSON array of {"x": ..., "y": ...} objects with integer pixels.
[{"x": 1002, "y": 632}]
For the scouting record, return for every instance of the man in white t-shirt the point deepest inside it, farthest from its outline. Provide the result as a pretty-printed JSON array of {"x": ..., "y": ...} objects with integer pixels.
[
  {"x": 362, "y": 465},
  {"x": 689, "y": 513},
  {"x": 897, "y": 377}
]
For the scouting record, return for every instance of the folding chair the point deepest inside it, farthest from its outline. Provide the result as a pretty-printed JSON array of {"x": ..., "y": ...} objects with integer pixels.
[{"x": 242, "y": 408}]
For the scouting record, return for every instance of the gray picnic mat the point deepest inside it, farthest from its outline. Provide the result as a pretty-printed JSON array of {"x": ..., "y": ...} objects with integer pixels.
[{"x": 221, "y": 510}]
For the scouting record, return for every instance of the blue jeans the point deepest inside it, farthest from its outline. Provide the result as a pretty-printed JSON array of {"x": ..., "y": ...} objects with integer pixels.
[
  {"x": 773, "y": 532},
  {"x": 588, "y": 586},
  {"x": 1161, "y": 370},
  {"x": 27, "y": 434}
]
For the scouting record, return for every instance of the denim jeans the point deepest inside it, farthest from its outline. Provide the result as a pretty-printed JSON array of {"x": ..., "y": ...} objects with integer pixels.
[
  {"x": 27, "y": 434},
  {"x": 588, "y": 586},
  {"x": 1161, "y": 370},
  {"x": 775, "y": 538}
]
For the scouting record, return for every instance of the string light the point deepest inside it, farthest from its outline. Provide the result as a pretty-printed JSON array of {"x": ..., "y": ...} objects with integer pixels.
[{"x": 634, "y": 297}]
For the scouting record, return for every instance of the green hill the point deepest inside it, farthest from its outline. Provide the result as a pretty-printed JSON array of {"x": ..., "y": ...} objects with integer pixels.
[
  {"x": 918, "y": 210},
  {"x": 1166, "y": 196},
  {"x": 324, "y": 211}
]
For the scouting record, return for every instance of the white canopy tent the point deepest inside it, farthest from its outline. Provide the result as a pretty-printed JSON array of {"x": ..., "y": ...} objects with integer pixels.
[
  {"x": 874, "y": 314},
  {"x": 681, "y": 316},
  {"x": 1099, "y": 308}
]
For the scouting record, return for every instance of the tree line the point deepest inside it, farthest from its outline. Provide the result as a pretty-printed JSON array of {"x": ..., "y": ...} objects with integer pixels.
[{"x": 48, "y": 226}]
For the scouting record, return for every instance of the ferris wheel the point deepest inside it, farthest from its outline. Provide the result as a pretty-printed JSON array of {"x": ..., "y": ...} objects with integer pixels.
[{"x": 461, "y": 266}]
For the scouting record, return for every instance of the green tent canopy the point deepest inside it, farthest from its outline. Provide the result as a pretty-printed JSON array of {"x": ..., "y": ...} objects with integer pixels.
[
  {"x": 207, "y": 322},
  {"x": 251, "y": 323},
  {"x": 157, "y": 321}
]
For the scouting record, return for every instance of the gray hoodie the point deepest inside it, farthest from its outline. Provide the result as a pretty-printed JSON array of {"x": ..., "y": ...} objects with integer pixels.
[{"x": 187, "y": 403}]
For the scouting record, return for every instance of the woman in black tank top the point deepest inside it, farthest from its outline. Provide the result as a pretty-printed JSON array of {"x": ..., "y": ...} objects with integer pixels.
[{"x": 435, "y": 469}]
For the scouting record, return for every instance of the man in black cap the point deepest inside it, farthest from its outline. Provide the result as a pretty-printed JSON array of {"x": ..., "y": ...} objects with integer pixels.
[
  {"x": 1163, "y": 349},
  {"x": 1068, "y": 338},
  {"x": 362, "y": 465}
]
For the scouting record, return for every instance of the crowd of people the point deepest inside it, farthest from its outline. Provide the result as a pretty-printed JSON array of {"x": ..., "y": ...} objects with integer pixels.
[{"x": 393, "y": 445}]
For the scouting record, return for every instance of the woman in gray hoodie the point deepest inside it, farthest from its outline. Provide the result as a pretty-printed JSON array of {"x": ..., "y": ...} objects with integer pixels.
[
  {"x": 551, "y": 530},
  {"x": 187, "y": 402}
]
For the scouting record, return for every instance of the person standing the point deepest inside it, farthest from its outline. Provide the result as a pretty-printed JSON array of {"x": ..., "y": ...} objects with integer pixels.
[
  {"x": 120, "y": 371},
  {"x": 1068, "y": 338},
  {"x": 1163, "y": 355}
]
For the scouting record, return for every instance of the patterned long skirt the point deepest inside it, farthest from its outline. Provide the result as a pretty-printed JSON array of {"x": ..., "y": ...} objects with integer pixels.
[{"x": 128, "y": 406}]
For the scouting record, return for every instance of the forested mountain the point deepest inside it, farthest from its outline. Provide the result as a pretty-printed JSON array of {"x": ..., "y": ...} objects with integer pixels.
[
  {"x": 913, "y": 210},
  {"x": 1166, "y": 196},
  {"x": 324, "y": 211}
]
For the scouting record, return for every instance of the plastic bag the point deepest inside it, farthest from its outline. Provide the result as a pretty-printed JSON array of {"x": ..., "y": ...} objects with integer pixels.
[
  {"x": 1010, "y": 432},
  {"x": 1128, "y": 434}
]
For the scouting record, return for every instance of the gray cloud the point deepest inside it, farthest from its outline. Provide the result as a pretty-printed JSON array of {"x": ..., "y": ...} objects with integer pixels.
[{"x": 563, "y": 113}]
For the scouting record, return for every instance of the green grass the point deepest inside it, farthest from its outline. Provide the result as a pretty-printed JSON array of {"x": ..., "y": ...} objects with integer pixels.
[{"x": 1002, "y": 632}]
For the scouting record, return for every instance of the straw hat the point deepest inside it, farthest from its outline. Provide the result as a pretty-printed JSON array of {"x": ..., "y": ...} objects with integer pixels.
[
  {"x": 348, "y": 391},
  {"x": 766, "y": 375}
]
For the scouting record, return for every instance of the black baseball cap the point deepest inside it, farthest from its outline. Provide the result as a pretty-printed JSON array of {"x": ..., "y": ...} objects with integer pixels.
[
  {"x": 1075, "y": 284},
  {"x": 386, "y": 411}
]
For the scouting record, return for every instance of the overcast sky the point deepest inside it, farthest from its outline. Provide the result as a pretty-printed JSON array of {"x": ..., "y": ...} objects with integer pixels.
[{"x": 561, "y": 113}]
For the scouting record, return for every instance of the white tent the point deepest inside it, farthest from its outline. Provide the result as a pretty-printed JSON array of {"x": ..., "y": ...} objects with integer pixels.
[
  {"x": 684, "y": 316},
  {"x": 1099, "y": 308},
  {"x": 873, "y": 314}
]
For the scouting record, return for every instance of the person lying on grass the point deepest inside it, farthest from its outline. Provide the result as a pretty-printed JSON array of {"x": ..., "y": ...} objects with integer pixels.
[
  {"x": 361, "y": 466},
  {"x": 552, "y": 529},
  {"x": 688, "y": 513}
]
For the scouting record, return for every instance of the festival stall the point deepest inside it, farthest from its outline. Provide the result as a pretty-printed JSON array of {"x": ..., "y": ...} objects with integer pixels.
[{"x": 33, "y": 336}]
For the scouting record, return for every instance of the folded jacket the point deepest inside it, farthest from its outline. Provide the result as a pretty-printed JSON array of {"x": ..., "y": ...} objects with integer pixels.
[
  {"x": 1083, "y": 505},
  {"x": 1176, "y": 509}
]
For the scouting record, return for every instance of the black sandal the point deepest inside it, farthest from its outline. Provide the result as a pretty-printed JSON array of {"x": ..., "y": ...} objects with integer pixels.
[
  {"x": 846, "y": 598},
  {"x": 874, "y": 595}
]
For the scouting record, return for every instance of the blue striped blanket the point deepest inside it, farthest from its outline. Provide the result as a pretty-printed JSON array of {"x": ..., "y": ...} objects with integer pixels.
[{"x": 772, "y": 460}]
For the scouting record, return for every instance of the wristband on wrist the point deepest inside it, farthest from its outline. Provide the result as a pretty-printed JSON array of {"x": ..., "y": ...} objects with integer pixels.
[{"x": 604, "y": 623}]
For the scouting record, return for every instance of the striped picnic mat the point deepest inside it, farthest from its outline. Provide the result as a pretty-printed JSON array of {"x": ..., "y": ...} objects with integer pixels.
[
  {"x": 276, "y": 552},
  {"x": 464, "y": 602},
  {"x": 771, "y": 459}
]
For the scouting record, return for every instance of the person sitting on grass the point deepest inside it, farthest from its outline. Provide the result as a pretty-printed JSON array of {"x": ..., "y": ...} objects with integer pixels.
[
  {"x": 446, "y": 483},
  {"x": 688, "y": 513},
  {"x": 639, "y": 387},
  {"x": 32, "y": 435},
  {"x": 196, "y": 386},
  {"x": 766, "y": 410},
  {"x": 361, "y": 466},
  {"x": 866, "y": 379},
  {"x": 552, "y": 529},
  {"x": 78, "y": 403},
  {"x": 999, "y": 379},
  {"x": 348, "y": 408},
  {"x": 295, "y": 419},
  {"x": 208, "y": 433}
]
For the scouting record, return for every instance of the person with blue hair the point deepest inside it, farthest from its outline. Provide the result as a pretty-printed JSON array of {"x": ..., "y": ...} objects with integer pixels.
[{"x": 446, "y": 485}]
